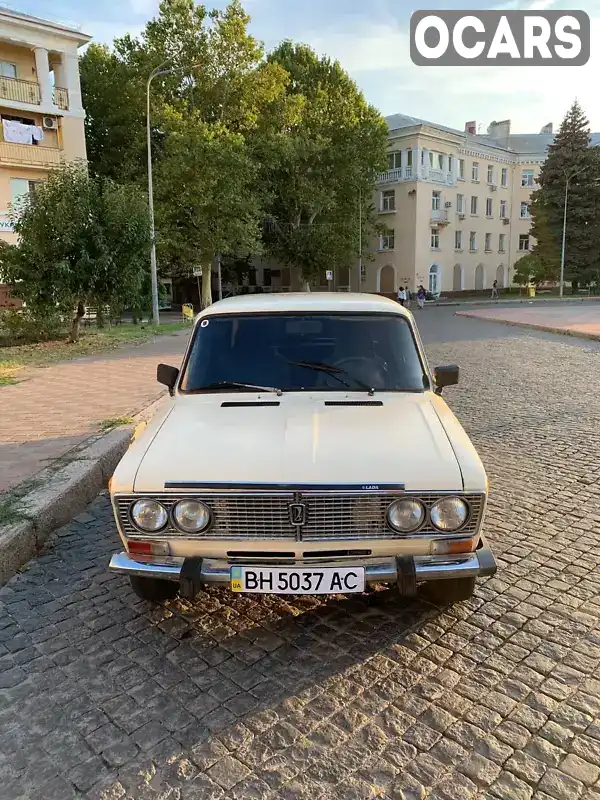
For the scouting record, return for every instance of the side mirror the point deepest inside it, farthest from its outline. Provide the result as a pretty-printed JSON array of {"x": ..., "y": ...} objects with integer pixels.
[
  {"x": 167, "y": 376},
  {"x": 445, "y": 376}
]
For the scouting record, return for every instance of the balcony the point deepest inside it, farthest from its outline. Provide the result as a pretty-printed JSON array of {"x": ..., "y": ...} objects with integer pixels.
[
  {"x": 29, "y": 155},
  {"x": 395, "y": 175},
  {"x": 20, "y": 91},
  {"x": 29, "y": 92},
  {"x": 61, "y": 98},
  {"x": 439, "y": 216}
]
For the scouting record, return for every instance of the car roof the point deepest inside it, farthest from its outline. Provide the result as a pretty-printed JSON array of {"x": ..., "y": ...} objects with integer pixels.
[{"x": 273, "y": 302}]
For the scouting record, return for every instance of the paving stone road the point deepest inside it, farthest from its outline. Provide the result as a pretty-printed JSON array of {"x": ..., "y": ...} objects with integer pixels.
[{"x": 104, "y": 696}]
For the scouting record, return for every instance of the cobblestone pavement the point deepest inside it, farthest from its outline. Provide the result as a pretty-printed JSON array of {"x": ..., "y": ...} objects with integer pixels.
[
  {"x": 106, "y": 696},
  {"x": 580, "y": 318},
  {"x": 61, "y": 405}
]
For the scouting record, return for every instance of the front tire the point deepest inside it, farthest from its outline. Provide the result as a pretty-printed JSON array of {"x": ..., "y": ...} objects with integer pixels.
[
  {"x": 451, "y": 590},
  {"x": 154, "y": 589}
]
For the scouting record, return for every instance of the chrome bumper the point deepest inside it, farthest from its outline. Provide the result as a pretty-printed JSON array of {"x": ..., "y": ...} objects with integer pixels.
[{"x": 479, "y": 564}]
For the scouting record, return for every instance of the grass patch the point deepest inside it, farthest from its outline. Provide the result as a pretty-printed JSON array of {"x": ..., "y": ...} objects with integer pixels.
[
  {"x": 8, "y": 372},
  {"x": 93, "y": 341},
  {"x": 110, "y": 424}
]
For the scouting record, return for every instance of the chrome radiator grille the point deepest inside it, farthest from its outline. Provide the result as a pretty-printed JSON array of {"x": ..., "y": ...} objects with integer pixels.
[{"x": 329, "y": 515}]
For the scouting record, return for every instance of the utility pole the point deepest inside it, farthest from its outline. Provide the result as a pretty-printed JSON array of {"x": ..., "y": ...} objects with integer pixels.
[
  {"x": 564, "y": 233},
  {"x": 360, "y": 240}
]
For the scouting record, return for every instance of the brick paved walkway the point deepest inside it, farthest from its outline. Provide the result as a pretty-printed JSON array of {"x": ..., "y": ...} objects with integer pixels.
[
  {"x": 105, "y": 697},
  {"x": 583, "y": 319},
  {"x": 61, "y": 405}
]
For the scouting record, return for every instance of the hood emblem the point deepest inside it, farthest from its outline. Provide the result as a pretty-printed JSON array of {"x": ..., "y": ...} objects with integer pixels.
[{"x": 298, "y": 513}]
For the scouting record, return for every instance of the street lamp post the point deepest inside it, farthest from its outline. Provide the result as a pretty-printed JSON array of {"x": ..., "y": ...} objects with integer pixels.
[
  {"x": 153, "y": 270},
  {"x": 564, "y": 234},
  {"x": 160, "y": 70}
]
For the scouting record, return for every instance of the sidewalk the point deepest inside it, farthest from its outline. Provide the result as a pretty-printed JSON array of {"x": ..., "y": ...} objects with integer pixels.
[
  {"x": 58, "y": 407},
  {"x": 573, "y": 320},
  {"x": 514, "y": 300}
]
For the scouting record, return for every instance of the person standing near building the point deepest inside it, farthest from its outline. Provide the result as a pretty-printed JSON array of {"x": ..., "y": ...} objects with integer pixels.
[
  {"x": 407, "y": 296},
  {"x": 421, "y": 296},
  {"x": 401, "y": 296},
  {"x": 495, "y": 290}
]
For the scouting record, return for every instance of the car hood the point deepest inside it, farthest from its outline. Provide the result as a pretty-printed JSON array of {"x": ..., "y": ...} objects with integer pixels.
[{"x": 301, "y": 440}]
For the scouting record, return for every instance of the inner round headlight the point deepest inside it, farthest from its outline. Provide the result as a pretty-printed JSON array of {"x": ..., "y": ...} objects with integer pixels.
[
  {"x": 149, "y": 515},
  {"x": 406, "y": 515},
  {"x": 449, "y": 514},
  {"x": 191, "y": 516}
]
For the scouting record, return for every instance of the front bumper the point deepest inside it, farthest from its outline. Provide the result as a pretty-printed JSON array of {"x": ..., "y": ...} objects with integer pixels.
[{"x": 479, "y": 564}]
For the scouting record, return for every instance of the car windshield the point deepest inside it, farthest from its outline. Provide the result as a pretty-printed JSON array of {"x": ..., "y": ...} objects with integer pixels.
[{"x": 304, "y": 352}]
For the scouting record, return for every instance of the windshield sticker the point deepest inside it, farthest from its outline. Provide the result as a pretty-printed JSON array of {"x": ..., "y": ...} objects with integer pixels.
[{"x": 204, "y": 323}]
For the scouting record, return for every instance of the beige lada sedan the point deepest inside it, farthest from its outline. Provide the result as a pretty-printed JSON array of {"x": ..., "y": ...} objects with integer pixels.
[{"x": 306, "y": 449}]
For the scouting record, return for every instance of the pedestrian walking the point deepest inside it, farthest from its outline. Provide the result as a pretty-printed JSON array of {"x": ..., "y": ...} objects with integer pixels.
[
  {"x": 495, "y": 290},
  {"x": 407, "y": 296},
  {"x": 401, "y": 296},
  {"x": 421, "y": 296}
]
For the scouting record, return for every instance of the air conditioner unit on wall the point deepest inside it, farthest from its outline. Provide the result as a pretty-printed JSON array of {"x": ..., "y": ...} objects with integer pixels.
[
  {"x": 493, "y": 187},
  {"x": 505, "y": 220},
  {"x": 50, "y": 123},
  {"x": 461, "y": 216},
  {"x": 448, "y": 205}
]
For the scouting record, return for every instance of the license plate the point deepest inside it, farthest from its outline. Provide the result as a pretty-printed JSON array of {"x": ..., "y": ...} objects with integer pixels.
[{"x": 326, "y": 580}]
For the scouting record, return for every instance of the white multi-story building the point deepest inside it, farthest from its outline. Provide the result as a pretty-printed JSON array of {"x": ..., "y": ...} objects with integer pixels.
[{"x": 456, "y": 205}]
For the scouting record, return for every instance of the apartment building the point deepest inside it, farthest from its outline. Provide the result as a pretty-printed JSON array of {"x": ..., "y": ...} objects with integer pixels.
[
  {"x": 42, "y": 116},
  {"x": 455, "y": 204}
]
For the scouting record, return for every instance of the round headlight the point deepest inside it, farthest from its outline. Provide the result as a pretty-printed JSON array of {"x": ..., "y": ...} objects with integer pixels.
[
  {"x": 191, "y": 516},
  {"x": 149, "y": 515},
  {"x": 406, "y": 515},
  {"x": 449, "y": 514}
]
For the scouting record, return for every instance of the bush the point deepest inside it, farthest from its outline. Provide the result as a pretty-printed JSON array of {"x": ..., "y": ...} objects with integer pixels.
[{"x": 21, "y": 326}]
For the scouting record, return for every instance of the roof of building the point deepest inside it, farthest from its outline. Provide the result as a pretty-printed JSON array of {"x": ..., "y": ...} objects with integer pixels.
[
  {"x": 58, "y": 28},
  {"x": 304, "y": 302},
  {"x": 534, "y": 143}
]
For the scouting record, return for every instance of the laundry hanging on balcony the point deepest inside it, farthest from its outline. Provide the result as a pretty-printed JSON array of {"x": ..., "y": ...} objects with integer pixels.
[{"x": 20, "y": 133}]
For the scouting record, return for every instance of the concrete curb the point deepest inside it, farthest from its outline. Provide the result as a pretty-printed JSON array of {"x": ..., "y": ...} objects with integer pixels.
[
  {"x": 532, "y": 325},
  {"x": 512, "y": 301},
  {"x": 61, "y": 491}
]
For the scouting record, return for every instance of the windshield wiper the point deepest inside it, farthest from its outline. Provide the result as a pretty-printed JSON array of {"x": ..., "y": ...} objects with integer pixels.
[
  {"x": 335, "y": 372},
  {"x": 234, "y": 385}
]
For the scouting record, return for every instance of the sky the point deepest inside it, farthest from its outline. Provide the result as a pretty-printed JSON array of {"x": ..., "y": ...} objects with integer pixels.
[{"x": 370, "y": 38}]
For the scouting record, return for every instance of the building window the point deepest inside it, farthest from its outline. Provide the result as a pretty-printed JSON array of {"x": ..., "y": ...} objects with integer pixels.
[
  {"x": 525, "y": 211},
  {"x": 435, "y": 238},
  {"x": 435, "y": 160},
  {"x": 436, "y": 200},
  {"x": 527, "y": 177},
  {"x": 460, "y": 203},
  {"x": 504, "y": 177},
  {"x": 501, "y": 240},
  {"x": 524, "y": 241},
  {"x": 489, "y": 207},
  {"x": 475, "y": 171},
  {"x": 472, "y": 241},
  {"x": 388, "y": 200},
  {"x": 490, "y": 177},
  {"x": 8, "y": 70},
  {"x": 488, "y": 243},
  {"x": 409, "y": 158},
  {"x": 450, "y": 163},
  {"x": 458, "y": 240},
  {"x": 394, "y": 160},
  {"x": 21, "y": 188},
  {"x": 461, "y": 169},
  {"x": 503, "y": 207},
  {"x": 473, "y": 205},
  {"x": 387, "y": 240}
]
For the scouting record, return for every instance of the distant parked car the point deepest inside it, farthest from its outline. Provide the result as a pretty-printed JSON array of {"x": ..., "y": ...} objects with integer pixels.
[{"x": 306, "y": 450}]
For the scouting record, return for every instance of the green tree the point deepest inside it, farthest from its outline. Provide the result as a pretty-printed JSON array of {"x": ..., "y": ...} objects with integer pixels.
[
  {"x": 569, "y": 157},
  {"x": 207, "y": 200},
  {"x": 82, "y": 240},
  {"x": 532, "y": 269},
  {"x": 318, "y": 164}
]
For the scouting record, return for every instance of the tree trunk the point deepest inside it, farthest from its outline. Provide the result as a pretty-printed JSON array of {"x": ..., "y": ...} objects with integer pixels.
[
  {"x": 206, "y": 286},
  {"x": 307, "y": 286},
  {"x": 74, "y": 337},
  {"x": 100, "y": 317}
]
